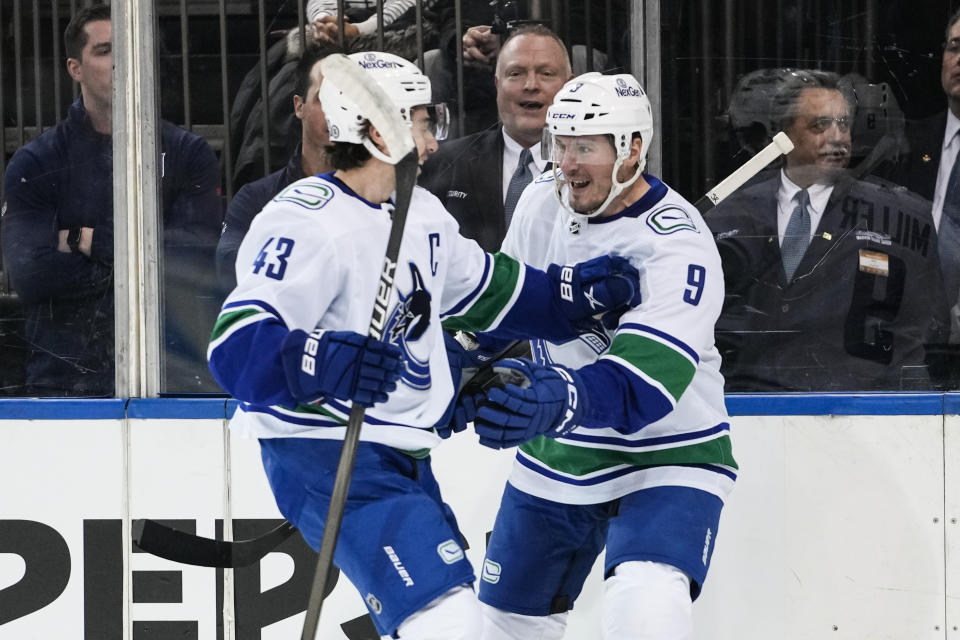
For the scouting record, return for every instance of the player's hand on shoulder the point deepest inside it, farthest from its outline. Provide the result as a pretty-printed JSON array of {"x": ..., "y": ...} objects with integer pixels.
[
  {"x": 602, "y": 288},
  {"x": 344, "y": 365},
  {"x": 537, "y": 400}
]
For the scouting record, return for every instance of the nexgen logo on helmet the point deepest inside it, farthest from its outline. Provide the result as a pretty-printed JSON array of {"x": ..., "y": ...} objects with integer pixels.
[{"x": 597, "y": 105}]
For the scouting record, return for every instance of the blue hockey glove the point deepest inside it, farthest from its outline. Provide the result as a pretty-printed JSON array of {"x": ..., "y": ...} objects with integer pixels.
[
  {"x": 471, "y": 357},
  {"x": 340, "y": 364},
  {"x": 537, "y": 400},
  {"x": 602, "y": 288},
  {"x": 460, "y": 411}
]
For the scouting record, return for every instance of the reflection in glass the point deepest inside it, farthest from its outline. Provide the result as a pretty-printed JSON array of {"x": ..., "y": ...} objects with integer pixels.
[{"x": 869, "y": 306}]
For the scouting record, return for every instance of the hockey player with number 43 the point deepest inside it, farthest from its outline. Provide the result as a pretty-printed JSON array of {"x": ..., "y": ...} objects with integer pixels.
[
  {"x": 290, "y": 344},
  {"x": 623, "y": 434}
]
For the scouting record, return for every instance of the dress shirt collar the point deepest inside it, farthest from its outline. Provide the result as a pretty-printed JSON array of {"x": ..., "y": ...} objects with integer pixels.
[
  {"x": 511, "y": 155},
  {"x": 819, "y": 197}
]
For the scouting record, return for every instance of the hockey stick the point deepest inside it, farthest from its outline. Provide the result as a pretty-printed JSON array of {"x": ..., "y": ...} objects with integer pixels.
[
  {"x": 362, "y": 89},
  {"x": 166, "y": 542},
  {"x": 169, "y": 543},
  {"x": 781, "y": 145}
]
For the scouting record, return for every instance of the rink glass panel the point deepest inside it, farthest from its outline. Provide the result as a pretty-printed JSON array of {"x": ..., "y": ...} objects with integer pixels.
[
  {"x": 718, "y": 71},
  {"x": 205, "y": 51}
]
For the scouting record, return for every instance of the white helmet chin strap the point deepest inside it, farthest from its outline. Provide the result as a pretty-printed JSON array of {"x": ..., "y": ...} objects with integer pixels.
[
  {"x": 616, "y": 188},
  {"x": 376, "y": 153}
]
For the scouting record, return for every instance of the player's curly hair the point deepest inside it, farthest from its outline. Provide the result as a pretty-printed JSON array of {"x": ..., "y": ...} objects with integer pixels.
[{"x": 344, "y": 156}]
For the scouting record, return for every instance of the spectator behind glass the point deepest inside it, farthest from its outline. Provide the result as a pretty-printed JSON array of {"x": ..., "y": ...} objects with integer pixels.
[
  {"x": 360, "y": 25},
  {"x": 472, "y": 175},
  {"x": 246, "y": 121},
  {"x": 309, "y": 159},
  {"x": 57, "y": 231},
  {"x": 841, "y": 293},
  {"x": 323, "y": 15},
  {"x": 930, "y": 168}
]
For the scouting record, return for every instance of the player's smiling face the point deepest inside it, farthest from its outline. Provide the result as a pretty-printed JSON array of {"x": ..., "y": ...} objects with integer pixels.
[{"x": 587, "y": 166}]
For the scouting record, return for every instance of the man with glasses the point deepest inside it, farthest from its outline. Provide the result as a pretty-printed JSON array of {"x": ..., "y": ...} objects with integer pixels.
[{"x": 832, "y": 282}]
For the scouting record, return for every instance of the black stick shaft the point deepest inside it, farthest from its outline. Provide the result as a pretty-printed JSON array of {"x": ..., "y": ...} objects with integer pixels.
[{"x": 406, "y": 172}]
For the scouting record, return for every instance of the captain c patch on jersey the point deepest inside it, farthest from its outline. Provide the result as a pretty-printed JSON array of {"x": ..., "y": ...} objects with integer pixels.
[
  {"x": 407, "y": 323},
  {"x": 671, "y": 219}
]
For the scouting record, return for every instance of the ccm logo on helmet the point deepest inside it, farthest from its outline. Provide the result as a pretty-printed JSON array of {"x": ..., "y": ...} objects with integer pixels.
[{"x": 562, "y": 116}]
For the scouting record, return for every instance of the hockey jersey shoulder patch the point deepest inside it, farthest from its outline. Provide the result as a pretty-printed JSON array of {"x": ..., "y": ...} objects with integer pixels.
[
  {"x": 310, "y": 194},
  {"x": 671, "y": 219}
]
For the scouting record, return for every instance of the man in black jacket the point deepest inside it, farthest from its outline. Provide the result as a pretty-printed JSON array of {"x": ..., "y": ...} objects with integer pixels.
[
  {"x": 57, "y": 232},
  {"x": 472, "y": 175},
  {"x": 831, "y": 283},
  {"x": 309, "y": 159}
]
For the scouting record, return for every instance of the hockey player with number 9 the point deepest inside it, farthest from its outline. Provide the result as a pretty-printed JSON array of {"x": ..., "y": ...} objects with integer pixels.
[
  {"x": 623, "y": 434},
  {"x": 290, "y": 345}
]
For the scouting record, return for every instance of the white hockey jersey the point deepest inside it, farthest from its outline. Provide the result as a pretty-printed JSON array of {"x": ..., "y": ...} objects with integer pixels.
[
  {"x": 312, "y": 258},
  {"x": 655, "y": 382}
]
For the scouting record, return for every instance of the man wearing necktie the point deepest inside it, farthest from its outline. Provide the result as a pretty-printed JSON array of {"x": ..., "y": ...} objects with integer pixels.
[
  {"x": 930, "y": 168},
  {"x": 480, "y": 177},
  {"x": 832, "y": 283}
]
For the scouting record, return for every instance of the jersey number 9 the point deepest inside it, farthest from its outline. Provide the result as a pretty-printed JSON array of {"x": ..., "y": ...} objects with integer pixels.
[{"x": 696, "y": 277}]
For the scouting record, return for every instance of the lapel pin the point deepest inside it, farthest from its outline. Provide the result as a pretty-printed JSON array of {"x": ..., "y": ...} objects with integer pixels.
[{"x": 926, "y": 157}]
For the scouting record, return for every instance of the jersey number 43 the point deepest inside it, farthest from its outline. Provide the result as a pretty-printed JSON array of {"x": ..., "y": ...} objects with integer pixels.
[{"x": 273, "y": 257}]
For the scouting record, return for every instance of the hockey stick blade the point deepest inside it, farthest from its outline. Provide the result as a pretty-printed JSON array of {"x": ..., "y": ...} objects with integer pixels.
[
  {"x": 362, "y": 89},
  {"x": 185, "y": 548},
  {"x": 781, "y": 145}
]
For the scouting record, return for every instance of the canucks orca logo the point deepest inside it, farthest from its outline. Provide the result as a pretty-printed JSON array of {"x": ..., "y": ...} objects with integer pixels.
[{"x": 407, "y": 324}]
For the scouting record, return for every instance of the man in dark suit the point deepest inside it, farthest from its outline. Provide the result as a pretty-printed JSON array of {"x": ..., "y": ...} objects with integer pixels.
[
  {"x": 479, "y": 177},
  {"x": 831, "y": 282},
  {"x": 930, "y": 168},
  {"x": 933, "y": 142}
]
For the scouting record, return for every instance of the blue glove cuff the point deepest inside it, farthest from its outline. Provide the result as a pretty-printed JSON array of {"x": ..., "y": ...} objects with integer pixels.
[{"x": 299, "y": 353}]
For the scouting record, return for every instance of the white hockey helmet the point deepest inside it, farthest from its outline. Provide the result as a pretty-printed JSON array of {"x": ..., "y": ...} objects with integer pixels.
[
  {"x": 595, "y": 104},
  {"x": 405, "y": 85}
]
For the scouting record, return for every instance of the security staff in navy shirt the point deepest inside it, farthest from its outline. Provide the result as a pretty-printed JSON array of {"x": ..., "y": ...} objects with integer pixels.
[{"x": 57, "y": 228}]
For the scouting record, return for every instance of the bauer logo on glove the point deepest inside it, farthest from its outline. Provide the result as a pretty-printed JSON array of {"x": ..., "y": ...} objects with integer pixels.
[{"x": 599, "y": 289}]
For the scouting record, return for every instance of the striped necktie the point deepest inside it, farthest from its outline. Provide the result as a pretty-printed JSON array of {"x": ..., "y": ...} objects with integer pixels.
[
  {"x": 518, "y": 182},
  {"x": 797, "y": 236}
]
